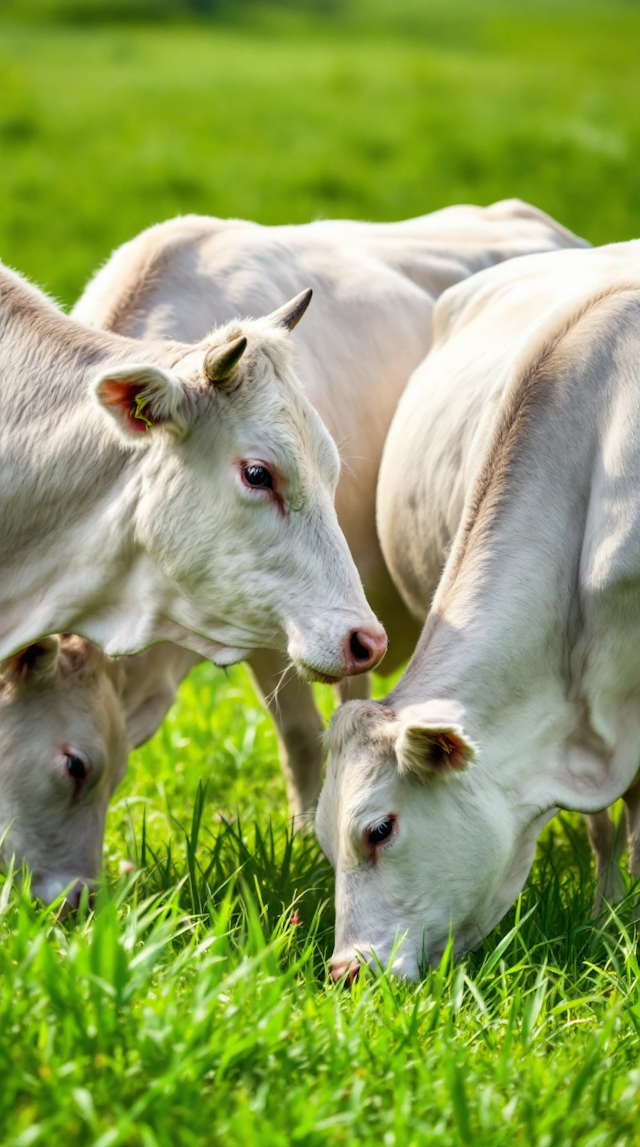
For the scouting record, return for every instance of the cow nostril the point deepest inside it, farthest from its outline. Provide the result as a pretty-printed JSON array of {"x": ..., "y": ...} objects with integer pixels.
[
  {"x": 349, "y": 972},
  {"x": 359, "y": 651}
]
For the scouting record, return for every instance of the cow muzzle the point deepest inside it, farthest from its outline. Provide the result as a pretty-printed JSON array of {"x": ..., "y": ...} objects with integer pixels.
[
  {"x": 319, "y": 657},
  {"x": 346, "y": 969}
]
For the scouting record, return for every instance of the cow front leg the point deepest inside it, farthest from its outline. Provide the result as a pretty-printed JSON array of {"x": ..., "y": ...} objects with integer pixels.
[
  {"x": 299, "y": 730},
  {"x": 607, "y": 841},
  {"x": 632, "y": 809},
  {"x": 354, "y": 688}
]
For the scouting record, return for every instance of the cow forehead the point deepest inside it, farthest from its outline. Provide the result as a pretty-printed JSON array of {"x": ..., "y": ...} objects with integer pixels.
[
  {"x": 272, "y": 396},
  {"x": 358, "y": 725},
  {"x": 361, "y": 761}
]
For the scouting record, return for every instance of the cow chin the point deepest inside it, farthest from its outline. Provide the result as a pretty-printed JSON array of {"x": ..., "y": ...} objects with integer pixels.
[
  {"x": 394, "y": 959},
  {"x": 310, "y": 674}
]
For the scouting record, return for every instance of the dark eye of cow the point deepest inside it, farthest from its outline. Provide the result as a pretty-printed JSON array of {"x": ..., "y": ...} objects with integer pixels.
[
  {"x": 380, "y": 832},
  {"x": 258, "y": 477},
  {"x": 76, "y": 768}
]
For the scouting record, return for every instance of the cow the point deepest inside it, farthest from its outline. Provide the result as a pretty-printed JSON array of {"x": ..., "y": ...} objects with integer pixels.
[
  {"x": 69, "y": 716},
  {"x": 155, "y": 491},
  {"x": 375, "y": 287},
  {"x": 513, "y": 462}
]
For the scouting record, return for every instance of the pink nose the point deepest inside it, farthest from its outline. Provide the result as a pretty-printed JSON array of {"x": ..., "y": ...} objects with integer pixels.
[
  {"x": 364, "y": 649},
  {"x": 342, "y": 968}
]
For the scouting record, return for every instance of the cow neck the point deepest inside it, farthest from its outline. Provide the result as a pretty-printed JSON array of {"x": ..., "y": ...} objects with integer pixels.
[
  {"x": 496, "y": 646},
  {"x": 67, "y": 487}
]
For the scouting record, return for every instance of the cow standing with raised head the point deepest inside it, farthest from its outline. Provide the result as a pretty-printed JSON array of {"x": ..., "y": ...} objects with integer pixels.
[
  {"x": 153, "y": 491},
  {"x": 375, "y": 288},
  {"x": 516, "y": 451}
]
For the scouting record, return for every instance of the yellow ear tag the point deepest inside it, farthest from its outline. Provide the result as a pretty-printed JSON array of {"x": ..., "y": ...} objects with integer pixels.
[{"x": 137, "y": 413}]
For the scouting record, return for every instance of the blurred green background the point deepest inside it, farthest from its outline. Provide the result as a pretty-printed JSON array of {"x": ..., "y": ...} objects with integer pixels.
[{"x": 117, "y": 113}]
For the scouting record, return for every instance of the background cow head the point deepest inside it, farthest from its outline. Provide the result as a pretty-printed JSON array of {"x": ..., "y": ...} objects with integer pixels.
[
  {"x": 68, "y": 717},
  {"x": 234, "y": 506},
  {"x": 63, "y": 751}
]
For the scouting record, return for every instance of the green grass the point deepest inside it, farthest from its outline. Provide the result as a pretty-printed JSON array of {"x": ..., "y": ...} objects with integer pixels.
[{"x": 191, "y": 1007}]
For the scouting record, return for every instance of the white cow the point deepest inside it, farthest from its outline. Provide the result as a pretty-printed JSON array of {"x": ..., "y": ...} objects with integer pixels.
[
  {"x": 153, "y": 491},
  {"x": 375, "y": 287},
  {"x": 516, "y": 450},
  {"x": 68, "y": 718}
]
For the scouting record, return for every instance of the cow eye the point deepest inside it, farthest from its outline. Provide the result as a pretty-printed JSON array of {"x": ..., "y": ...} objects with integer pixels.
[
  {"x": 76, "y": 768},
  {"x": 380, "y": 832},
  {"x": 257, "y": 477}
]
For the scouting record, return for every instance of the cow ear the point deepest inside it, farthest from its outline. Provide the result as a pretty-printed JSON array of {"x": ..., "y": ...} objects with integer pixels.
[
  {"x": 140, "y": 398},
  {"x": 290, "y": 314},
  {"x": 143, "y": 720},
  {"x": 34, "y": 665},
  {"x": 429, "y": 749},
  {"x": 151, "y": 684}
]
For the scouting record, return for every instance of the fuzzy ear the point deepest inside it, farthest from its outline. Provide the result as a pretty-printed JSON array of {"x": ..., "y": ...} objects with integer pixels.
[
  {"x": 151, "y": 684},
  {"x": 290, "y": 314},
  {"x": 140, "y": 397},
  {"x": 143, "y": 720},
  {"x": 34, "y": 665},
  {"x": 430, "y": 749}
]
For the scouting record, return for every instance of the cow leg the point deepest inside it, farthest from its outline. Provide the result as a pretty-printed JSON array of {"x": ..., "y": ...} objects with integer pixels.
[
  {"x": 632, "y": 809},
  {"x": 607, "y": 841},
  {"x": 299, "y": 730},
  {"x": 354, "y": 688}
]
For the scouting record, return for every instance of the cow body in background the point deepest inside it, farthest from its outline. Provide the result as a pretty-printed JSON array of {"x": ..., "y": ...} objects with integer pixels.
[
  {"x": 153, "y": 491},
  {"x": 516, "y": 450},
  {"x": 375, "y": 286}
]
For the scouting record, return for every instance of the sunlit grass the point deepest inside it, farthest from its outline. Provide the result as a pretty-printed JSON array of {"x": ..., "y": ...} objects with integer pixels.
[{"x": 191, "y": 1004}]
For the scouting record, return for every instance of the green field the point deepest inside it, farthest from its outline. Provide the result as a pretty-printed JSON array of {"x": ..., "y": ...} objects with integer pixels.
[{"x": 192, "y": 1007}]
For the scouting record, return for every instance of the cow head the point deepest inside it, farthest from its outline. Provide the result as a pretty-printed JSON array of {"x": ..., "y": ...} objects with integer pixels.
[
  {"x": 234, "y": 505},
  {"x": 423, "y": 845},
  {"x": 63, "y": 751}
]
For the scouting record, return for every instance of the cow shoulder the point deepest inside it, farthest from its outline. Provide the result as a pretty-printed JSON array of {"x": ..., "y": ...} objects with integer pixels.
[{"x": 118, "y": 295}]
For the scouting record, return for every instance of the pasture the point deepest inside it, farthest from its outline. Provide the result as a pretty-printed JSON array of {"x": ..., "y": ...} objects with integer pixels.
[{"x": 191, "y": 1004}]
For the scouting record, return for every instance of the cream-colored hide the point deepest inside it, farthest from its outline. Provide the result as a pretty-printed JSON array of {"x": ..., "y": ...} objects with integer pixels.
[
  {"x": 153, "y": 491},
  {"x": 375, "y": 286},
  {"x": 516, "y": 451}
]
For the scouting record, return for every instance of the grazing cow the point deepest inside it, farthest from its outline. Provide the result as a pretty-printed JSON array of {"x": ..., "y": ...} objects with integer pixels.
[
  {"x": 516, "y": 450},
  {"x": 153, "y": 491},
  {"x": 375, "y": 287},
  {"x": 68, "y": 717}
]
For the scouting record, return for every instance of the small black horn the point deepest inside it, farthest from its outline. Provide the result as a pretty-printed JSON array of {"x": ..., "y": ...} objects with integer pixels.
[
  {"x": 290, "y": 314},
  {"x": 221, "y": 361}
]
